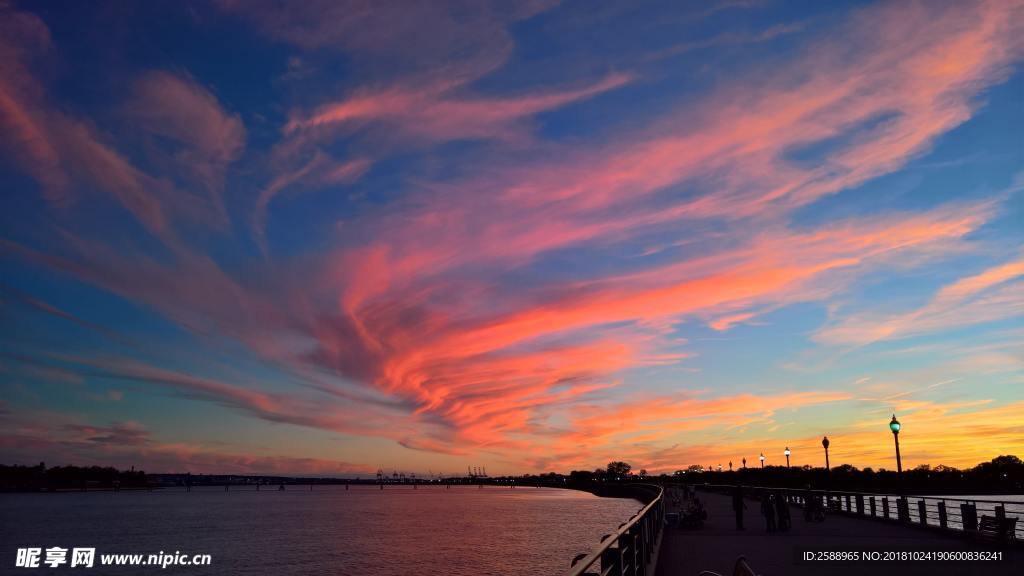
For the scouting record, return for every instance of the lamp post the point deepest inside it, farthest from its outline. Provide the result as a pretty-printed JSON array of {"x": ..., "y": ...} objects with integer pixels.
[
  {"x": 824, "y": 442},
  {"x": 762, "y": 459},
  {"x": 786, "y": 452},
  {"x": 894, "y": 425}
]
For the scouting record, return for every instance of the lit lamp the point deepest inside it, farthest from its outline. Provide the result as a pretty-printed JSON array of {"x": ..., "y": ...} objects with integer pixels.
[
  {"x": 894, "y": 425},
  {"x": 762, "y": 459},
  {"x": 786, "y": 452}
]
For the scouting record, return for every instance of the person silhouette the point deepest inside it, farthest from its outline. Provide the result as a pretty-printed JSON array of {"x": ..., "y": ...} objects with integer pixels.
[
  {"x": 738, "y": 506},
  {"x": 768, "y": 509},
  {"x": 781, "y": 511}
]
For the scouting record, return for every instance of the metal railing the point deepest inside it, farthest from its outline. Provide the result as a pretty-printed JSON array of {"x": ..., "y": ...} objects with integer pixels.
[
  {"x": 939, "y": 512},
  {"x": 629, "y": 550}
]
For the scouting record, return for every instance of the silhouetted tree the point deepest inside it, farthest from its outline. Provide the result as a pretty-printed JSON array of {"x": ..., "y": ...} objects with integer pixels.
[
  {"x": 618, "y": 468},
  {"x": 1001, "y": 475}
]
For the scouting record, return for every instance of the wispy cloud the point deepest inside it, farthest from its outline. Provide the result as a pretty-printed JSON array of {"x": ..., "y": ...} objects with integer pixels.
[
  {"x": 992, "y": 295},
  {"x": 485, "y": 296}
]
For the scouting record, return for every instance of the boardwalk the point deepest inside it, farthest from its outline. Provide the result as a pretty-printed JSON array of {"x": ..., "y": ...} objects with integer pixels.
[{"x": 716, "y": 546}]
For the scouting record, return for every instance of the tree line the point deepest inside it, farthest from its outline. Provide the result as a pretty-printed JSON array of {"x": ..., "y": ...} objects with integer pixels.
[
  {"x": 1001, "y": 475},
  {"x": 41, "y": 478}
]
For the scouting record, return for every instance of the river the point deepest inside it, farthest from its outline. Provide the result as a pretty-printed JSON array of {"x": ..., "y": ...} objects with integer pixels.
[{"x": 329, "y": 530}]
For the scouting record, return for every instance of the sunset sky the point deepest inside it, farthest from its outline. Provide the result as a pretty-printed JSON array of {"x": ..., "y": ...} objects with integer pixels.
[{"x": 332, "y": 237}]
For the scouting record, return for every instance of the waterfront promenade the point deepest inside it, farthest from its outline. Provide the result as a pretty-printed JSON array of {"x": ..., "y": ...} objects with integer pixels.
[{"x": 686, "y": 552}]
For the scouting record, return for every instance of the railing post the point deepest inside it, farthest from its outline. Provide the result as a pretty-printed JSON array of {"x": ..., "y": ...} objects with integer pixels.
[
  {"x": 885, "y": 507},
  {"x": 641, "y": 557},
  {"x": 638, "y": 549},
  {"x": 903, "y": 509},
  {"x": 872, "y": 506},
  {"x": 645, "y": 535},
  {"x": 848, "y": 507},
  {"x": 1001, "y": 512},
  {"x": 922, "y": 512},
  {"x": 652, "y": 533},
  {"x": 942, "y": 514},
  {"x": 627, "y": 545},
  {"x": 969, "y": 517},
  {"x": 611, "y": 561},
  {"x": 860, "y": 504}
]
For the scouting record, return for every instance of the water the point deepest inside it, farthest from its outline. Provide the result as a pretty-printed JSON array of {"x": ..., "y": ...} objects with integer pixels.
[{"x": 361, "y": 531}]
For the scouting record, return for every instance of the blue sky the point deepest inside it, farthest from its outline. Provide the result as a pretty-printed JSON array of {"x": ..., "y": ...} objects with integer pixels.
[{"x": 319, "y": 238}]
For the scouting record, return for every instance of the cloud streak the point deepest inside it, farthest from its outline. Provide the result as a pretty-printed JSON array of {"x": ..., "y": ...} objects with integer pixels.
[
  {"x": 493, "y": 263},
  {"x": 993, "y": 295}
]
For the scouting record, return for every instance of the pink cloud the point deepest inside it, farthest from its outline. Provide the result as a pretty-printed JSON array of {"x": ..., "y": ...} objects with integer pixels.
[
  {"x": 320, "y": 171},
  {"x": 207, "y": 138},
  {"x": 735, "y": 144},
  {"x": 436, "y": 114},
  {"x": 462, "y": 41},
  {"x": 71, "y": 158},
  {"x": 21, "y": 35}
]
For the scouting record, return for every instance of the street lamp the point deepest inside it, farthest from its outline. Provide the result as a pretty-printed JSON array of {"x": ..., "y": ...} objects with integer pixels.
[
  {"x": 762, "y": 459},
  {"x": 787, "y": 456},
  {"x": 894, "y": 425},
  {"x": 824, "y": 442}
]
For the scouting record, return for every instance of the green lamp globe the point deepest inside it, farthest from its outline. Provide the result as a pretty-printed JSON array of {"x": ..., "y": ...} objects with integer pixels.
[{"x": 894, "y": 425}]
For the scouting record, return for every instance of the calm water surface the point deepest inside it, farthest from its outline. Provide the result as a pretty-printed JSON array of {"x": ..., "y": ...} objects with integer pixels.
[{"x": 361, "y": 531}]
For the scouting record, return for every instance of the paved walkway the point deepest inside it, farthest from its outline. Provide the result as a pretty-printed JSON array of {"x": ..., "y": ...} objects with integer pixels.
[{"x": 717, "y": 545}]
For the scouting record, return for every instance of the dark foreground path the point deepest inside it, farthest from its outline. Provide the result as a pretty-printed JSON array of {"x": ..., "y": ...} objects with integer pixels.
[{"x": 718, "y": 544}]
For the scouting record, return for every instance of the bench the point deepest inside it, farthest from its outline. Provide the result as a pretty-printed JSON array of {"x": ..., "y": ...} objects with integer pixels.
[
  {"x": 694, "y": 517},
  {"x": 996, "y": 529}
]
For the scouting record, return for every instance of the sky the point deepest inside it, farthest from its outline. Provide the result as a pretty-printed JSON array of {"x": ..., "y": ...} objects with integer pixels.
[{"x": 333, "y": 237}]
